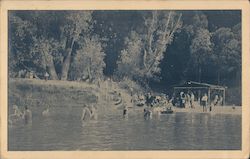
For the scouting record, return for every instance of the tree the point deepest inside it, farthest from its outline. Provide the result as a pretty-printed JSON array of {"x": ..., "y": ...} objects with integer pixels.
[
  {"x": 227, "y": 51},
  {"x": 220, "y": 38},
  {"x": 33, "y": 43},
  {"x": 130, "y": 58},
  {"x": 20, "y": 38},
  {"x": 46, "y": 40},
  {"x": 47, "y": 50},
  {"x": 89, "y": 59},
  {"x": 198, "y": 21},
  {"x": 144, "y": 49},
  {"x": 77, "y": 24},
  {"x": 201, "y": 48}
]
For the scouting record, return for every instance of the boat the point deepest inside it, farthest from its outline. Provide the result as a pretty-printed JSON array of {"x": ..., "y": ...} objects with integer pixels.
[{"x": 168, "y": 111}]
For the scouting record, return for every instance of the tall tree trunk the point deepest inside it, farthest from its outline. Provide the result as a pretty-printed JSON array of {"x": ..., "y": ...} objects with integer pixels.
[
  {"x": 65, "y": 66},
  {"x": 165, "y": 40},
  {"x": 149, "y": 38},
  {"x": 51, "y": 66},
  {"x": 52, "y": 70},
  {"x": 66, "y": 63},
  {"x": 89, "y": 70},
  {"x": 144, "y": 59}
]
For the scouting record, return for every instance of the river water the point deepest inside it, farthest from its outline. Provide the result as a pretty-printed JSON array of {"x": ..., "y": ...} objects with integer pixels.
[{"x": 63, "y": 130}]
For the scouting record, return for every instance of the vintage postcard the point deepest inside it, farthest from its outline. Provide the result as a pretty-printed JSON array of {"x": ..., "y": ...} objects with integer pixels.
[{"x": 124, "y": 79}]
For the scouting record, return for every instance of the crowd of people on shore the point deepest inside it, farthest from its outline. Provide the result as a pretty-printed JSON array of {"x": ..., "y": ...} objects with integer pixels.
[
  {"x": 185, "y": 100},
  {"x": 181, "y": 100},
  {"x": 162, "y": 103},
  {"x": 150, "y": 104}
]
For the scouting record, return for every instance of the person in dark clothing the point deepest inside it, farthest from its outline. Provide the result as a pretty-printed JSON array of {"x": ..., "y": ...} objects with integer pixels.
[
  {"x": 125, "y": 110},
  {"x": 204, "y": 100},
  {"x": 27, "y": 115},
  {"x": 149, "y": 99},
  {"x": 182, "y": 98}
]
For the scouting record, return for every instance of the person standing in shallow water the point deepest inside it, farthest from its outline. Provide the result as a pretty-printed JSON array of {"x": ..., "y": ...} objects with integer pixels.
[
  {"x": 27, "y": 115},
  {"x": 204, "y": 100},
  {"x": 148, "y": 114},
  {"x": 46, "y": 112},
  {"x": 192, "y": 100},
  {"x": 86, "y": 113},
  {"x": 125, "y": 109},
  {"x": 17, "y": 112},
  {"x": 149, "y": 99},
  {"x": 93, "y": 112},
  {"x": 17, "y": 115}
]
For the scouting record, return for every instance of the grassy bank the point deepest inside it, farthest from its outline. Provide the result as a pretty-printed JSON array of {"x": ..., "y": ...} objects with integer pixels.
[{"x": 32, "y": 92}]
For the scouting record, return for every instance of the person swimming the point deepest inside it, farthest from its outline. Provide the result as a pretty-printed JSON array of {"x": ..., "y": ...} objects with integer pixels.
[
  {"x": 86, "y": 113},
  {"x": 17, "y": 112},
  {"x": 93, "y": 111},
  {"x": 27, "y": 115},
  {"x": 16, "y": 116},
  {"x": 46, "y": 112}
]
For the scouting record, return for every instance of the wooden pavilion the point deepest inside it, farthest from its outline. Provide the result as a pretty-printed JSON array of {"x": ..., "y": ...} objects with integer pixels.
[{"x": 204, "y": 87}]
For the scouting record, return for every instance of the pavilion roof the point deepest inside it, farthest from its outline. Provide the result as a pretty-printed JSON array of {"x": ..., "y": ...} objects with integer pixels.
[{"x": 192, "y": 84}]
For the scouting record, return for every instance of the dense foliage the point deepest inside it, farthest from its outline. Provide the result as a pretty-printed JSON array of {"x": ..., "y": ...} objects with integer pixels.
[
  {"x": 149, "y": 47},
  {"x": 144, "y": 50},
  {"x": 51, "y": 40}
]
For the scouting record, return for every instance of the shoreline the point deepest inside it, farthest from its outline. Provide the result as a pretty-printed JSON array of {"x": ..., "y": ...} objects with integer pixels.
[
  {"x": 82, "y": 93},
  {"x": 226, "y": 110},
  {"x": 230, "y": 110},
  {"x": 215, "y": 110}
]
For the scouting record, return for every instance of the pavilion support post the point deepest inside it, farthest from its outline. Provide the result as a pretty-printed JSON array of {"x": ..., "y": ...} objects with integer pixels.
[
  {"x": 209, "y": 96},
  {"x": 224, "y": 96},
  {"x": 199, "y": 97}
]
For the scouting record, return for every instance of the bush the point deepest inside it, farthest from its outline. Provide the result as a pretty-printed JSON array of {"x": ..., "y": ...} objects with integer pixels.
[{"x": 128, "y": 84}]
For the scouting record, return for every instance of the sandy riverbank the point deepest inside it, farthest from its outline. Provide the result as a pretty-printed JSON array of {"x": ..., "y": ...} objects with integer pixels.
[
  {"x": 234, "y": 110},
  {"x": 215, "y": 110}
]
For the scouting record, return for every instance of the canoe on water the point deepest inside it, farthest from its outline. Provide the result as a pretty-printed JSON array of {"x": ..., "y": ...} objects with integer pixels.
[{"x": 168, "y": 111}]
